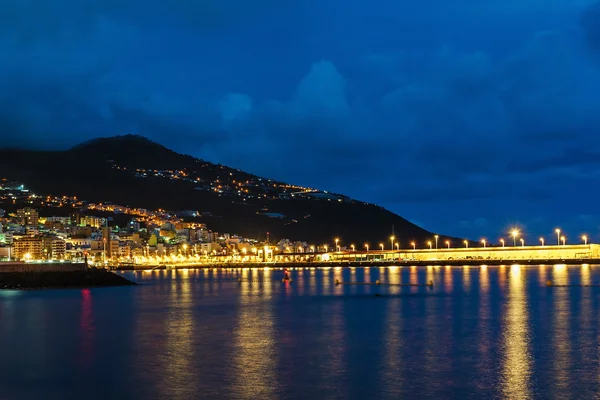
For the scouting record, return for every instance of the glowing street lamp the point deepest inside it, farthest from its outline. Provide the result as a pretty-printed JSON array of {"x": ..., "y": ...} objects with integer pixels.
[
  {"x": 392, "y": 240},
  {"x": 557, "y": 236},
  {"x": 353, "y": 248},
  {"x": 514, "y": 234},
  {"x": 502, "y": 241},
  {"x": 483, "y": 242},
  {"x": 381, "y": 245},
  {"x": 542, "y": 241},
  {"x": 466, "y": 242},
  {"x": 337, "y": 247},
  {"x": 436, "y": 241},
  {"x": 397, "y": 246},
  {"x": 522, "y": 242},
  {"x": 448, "y": 243},
  {"x": 430, "y": 245},
  {"x": 584, "y": 237},
  {"x": 367, "y": 247},
  {"x": 414, "y": 246},
  {"x": 563, "y": 239}
]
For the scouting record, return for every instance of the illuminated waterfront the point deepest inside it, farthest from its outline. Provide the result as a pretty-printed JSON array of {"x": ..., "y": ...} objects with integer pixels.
[
  {"x": 480, "y": 332},
  {"x": 572, "y": 254}
]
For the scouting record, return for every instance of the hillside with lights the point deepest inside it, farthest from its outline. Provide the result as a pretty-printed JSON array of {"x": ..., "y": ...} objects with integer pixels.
[{"x": 135, "y": 172}]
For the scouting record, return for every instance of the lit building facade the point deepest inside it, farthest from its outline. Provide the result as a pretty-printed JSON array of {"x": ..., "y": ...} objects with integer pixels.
[
  {"x": 28, "y": 216},
  {"x": 28, "y": 248}
]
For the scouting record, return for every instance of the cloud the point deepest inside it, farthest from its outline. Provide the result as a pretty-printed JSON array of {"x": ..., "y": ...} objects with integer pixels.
[
  {"x": 235, "y": 106},
  {"x": 321, "y": 92},
  {"x": 590, "y": 19},
  {"x": 454, "y": 112}
]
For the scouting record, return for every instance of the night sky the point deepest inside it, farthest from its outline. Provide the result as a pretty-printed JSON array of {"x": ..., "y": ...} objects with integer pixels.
[{"x": 465, "y": 117}]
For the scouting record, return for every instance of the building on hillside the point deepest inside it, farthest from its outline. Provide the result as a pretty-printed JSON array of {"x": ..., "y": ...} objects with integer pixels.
[
  {"x": 105, "y": 249},
  {"x": 208, "y": 248},
  {"x": 5, "y": 252},
  {"x": 54, "y": 248},
  {"x": 28, "y": 248},
  {"x": 28, "y": 216},
  {"x": 62, "y": 220},
  {"x": 94, "y": 222},
  {"x": 54, "y": 225},
  {"x": 6, "y": 238}
]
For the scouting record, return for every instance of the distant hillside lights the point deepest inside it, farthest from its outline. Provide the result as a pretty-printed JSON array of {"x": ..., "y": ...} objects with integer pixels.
[{"x": 518, "y": 240}]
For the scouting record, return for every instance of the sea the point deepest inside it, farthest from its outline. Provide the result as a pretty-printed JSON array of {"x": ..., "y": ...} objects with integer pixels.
[{"x": 478, "y": 333}]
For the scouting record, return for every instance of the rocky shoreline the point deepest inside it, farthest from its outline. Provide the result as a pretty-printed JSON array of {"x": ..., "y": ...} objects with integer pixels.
[{"x": 92, "y": 277}]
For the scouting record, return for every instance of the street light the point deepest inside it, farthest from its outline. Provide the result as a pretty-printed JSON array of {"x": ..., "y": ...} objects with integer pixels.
[
  {"x": 429, "y": 244},
  {"x": 414, "y": 246},
  {"x": 466, "y": 242},
  {"x": 584, "y": 237},
  {"x": 367, "y": 247},
  {"x": 557, "y": 236},
  {"x": 381, "y": 244},
  {"x": 542, "y": 240},
  {"x": 397, "y": 246},
  {"x": 325, "y": 248},
  {"x": 483, "y": 241},
  {"x": 522, "y": 242},
  {"x": 448, "y": 243},
  {"x": 563, "y": 239},
  {"x": 337, "y": 248},
  {"x": 392, "y": 239},
  {"x": 436, "y": 241},
  {"x": 514, "y": 234},
  {"x": 353, "y": 248},
  {"x": 502, "y": 241}
]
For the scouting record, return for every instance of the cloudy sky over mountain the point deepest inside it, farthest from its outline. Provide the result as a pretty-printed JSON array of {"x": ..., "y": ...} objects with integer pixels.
[{"x": 464, "y": 116}]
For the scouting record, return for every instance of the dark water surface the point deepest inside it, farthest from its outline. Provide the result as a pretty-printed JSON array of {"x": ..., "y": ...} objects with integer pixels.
[{"x": 495, "y": 332}]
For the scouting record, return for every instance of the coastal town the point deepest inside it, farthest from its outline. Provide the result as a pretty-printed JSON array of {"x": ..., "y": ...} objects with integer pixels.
[
  {"x": 53, "y": 229},
  {"x": 46, "y": 228}
]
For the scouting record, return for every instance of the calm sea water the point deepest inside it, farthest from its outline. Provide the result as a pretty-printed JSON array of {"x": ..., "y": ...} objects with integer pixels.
[{"x": 495, "y": 332}]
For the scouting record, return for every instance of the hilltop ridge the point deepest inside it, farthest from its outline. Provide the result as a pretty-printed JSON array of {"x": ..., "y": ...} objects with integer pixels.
[{"x": 135, "y": 171}]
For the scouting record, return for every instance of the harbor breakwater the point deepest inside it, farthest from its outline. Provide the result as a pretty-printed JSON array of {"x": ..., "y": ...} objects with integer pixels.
[
  {"x": 59, "y": 279},
  {"x": 333, "y": 264}
]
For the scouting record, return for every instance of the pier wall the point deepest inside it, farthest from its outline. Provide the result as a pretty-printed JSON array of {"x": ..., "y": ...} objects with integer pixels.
[
  {"x": 40, "y": 267},
  {"x": 589, "y": 251}
]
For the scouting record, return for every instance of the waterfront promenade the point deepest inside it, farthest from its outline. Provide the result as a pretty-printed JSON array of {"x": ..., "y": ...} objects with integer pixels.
[{"x": 523, "y": 255}]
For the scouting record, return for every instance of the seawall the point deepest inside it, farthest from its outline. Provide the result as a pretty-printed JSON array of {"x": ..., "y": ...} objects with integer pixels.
[
  {"x": 91, "y": 277},
  {"x": 18, "y": 266},
  {"x": 330, "y": 264}
]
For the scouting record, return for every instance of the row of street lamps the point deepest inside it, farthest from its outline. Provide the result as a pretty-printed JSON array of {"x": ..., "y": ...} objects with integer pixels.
[{"x": 560, "y": 239}]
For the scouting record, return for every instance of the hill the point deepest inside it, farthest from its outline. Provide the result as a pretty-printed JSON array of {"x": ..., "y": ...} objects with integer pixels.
[{"x": 134, "y": 171}]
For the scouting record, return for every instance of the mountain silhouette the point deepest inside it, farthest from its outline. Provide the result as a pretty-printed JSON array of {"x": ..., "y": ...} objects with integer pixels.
[{"x": 134, "y": 171}]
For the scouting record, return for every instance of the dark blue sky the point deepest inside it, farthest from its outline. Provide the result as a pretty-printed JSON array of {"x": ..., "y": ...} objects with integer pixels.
[{"x": 463, "y": 116}]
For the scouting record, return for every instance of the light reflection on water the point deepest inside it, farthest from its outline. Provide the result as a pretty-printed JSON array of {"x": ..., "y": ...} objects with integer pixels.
[
  {"x": 561, "y": 316},
  {"x": 517, "y": 366},
  {"x": 481, "y": 332},
  {"x": 253, "y": 339}
]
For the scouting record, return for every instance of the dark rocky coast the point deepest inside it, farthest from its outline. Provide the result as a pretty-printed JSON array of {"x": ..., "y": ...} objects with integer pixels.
[{"x": 92, "y": 277}]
